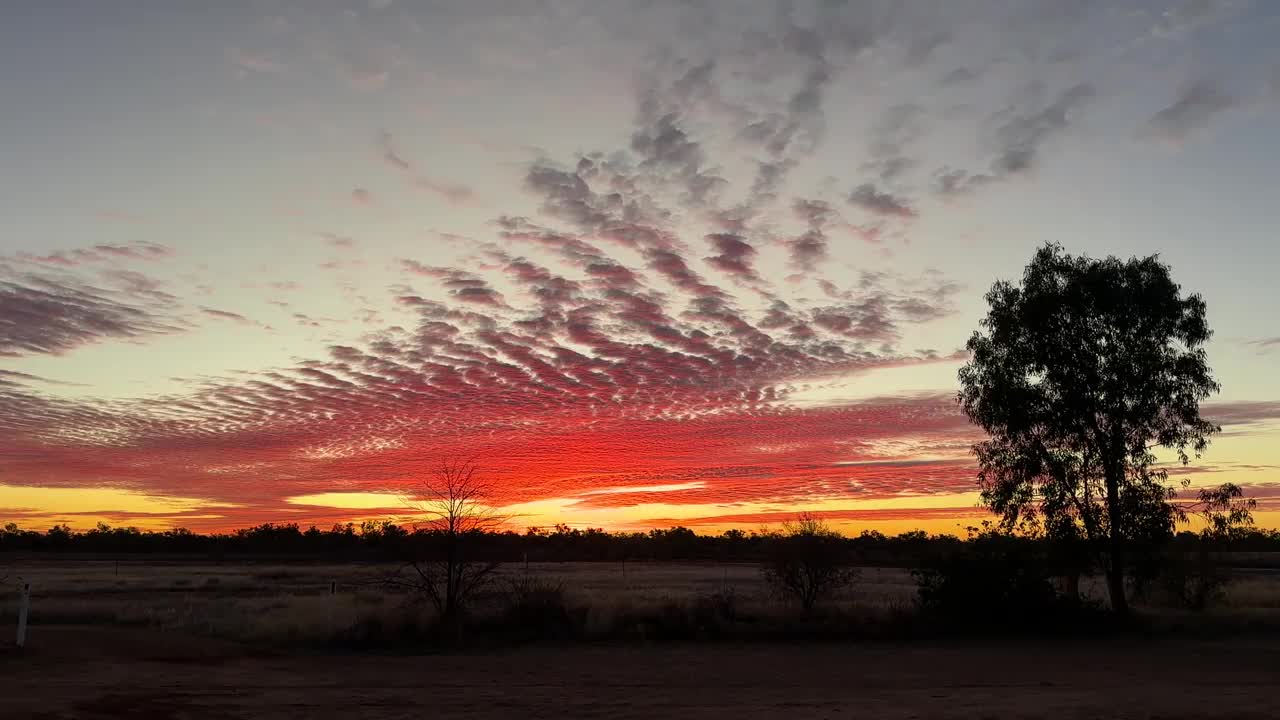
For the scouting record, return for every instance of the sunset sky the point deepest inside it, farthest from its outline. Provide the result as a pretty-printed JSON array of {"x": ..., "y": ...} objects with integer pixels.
[{"x": 649, "y": 262}]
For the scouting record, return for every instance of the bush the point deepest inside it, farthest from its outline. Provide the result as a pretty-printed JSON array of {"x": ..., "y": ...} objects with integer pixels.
[
  {"x": 719, "y": 606},
  {"x": 405, "y": 627},
  {"x": 996, "y": 579},
  {"x": 538, "y": 609},
  {"x": 1192, "y": 581},
  {"x": 808, "y": 562}
]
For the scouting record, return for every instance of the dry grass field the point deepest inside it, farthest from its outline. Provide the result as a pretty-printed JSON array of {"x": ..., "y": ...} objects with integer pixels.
[
  {"x": 242, "y": 640},
  {"x": 291, "y": 604}
]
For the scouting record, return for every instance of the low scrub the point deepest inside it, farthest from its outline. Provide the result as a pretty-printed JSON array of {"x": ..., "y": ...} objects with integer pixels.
[
  {"x": 999, "y": 582},
  {"x": 1191, "y": 581},
  {"x": 536, "y": 609}
]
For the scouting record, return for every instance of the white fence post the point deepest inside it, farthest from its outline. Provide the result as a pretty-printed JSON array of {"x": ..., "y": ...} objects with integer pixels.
[{"x": 24, "y": 604}]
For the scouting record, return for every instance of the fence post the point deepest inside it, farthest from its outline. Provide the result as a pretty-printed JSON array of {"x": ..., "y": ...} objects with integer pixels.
[{"x": 24, "y": 604}]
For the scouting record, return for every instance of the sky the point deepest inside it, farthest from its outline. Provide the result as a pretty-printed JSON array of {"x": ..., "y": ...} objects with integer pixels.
[{"x": 647, "y": 262}]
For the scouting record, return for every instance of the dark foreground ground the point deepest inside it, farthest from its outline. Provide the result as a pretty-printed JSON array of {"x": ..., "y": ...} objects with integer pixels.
[{"x": 75, "y": 672}]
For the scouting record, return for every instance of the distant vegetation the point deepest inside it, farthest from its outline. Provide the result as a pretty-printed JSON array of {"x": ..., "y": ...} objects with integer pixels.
[{"x": 388, "y": 541}]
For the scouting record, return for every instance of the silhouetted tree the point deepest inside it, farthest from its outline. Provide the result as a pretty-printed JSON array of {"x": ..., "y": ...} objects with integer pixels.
[
  {"x": 808, "y": 561},
  {"x": 454, "y": 504},
  {"x": 1077, "y": 375}
]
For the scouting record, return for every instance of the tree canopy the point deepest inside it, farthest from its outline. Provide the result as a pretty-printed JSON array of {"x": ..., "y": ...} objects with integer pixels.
[{"x": 1078, "y": 374}]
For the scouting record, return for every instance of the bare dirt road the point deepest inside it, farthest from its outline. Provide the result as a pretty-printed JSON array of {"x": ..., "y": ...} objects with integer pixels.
[{"x": 98, "y": 673}]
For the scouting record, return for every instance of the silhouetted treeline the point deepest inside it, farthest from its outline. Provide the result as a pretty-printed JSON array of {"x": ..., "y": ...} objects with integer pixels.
[{"x": 387, "y": 541}]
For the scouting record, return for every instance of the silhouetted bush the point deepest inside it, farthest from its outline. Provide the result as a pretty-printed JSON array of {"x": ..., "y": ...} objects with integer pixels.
[
  {"x": 996, "y": 579},
  {"x": 405, "y": 628},
  {"x": 537, "y": 609},
  {"x": 1189, "y": 580},
  {"x": 808, "y": 562},
  {"x": 719, "y": 606}
]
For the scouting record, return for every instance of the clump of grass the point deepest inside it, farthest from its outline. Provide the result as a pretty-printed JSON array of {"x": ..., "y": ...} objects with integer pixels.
[{"x": 536, "y": 609}]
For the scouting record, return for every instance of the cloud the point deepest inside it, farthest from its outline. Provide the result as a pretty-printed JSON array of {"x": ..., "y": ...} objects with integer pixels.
[
  {"x": 1187, "y": 15},
  {"x": 14, "y": 378},
  {"x": 1017, "y": 138},
  {"x": 1020, "y": 137},
  {"x": 1266, "y": 344},
  {"x": 874, "y": 201},
  {"x": 810, "y": 247},
  {"x": 734, "y": 257},
  {"x": 44, "y": 314},
  {"x": 246, "y": 60},
  {"x": 338, "y": 241},
  {"x": 461, "y": 284},
  {"x": 366, "y": 68},
  {"x": 899, "y": 127},
  {"x": 568, "y": 197},
  {"x": 1195, "y": 108},
  {"x": 1243, "y": 413},
  {"x": 454, "y": 193},
  {"x": 609, "y": 379},
  {"x": 962, "y": 514},
  {"x": 226, "y": 315},
  {"x": 665, "y": 146},
  {"x": 389, "y": 153},
  {"x": 103, "y": 253},
  {"x": 961, "y": 76}
]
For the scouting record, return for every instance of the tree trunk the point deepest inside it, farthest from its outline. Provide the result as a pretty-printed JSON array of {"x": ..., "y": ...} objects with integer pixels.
[
  {"x": 1071, "y": 586},
  {"x": 451, "y": 583},
  {"x": 1115, "y": 544}
]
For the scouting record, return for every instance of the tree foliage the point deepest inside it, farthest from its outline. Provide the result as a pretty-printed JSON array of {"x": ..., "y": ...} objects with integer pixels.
[{"x": 1078, "y": 374}]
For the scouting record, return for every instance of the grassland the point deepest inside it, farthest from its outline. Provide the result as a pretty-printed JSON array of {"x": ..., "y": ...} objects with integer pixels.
[{"x": 237, "y": 639}]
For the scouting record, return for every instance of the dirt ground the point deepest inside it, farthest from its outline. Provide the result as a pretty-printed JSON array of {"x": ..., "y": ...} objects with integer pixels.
[{"x": 93, "y": 672}]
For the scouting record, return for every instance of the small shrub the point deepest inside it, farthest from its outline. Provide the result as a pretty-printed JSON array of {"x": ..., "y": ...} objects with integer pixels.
[
  {"x": 673, "y": 621},
  {"x": 536, "y": 608},
  {"x": 719, "y": 606}
]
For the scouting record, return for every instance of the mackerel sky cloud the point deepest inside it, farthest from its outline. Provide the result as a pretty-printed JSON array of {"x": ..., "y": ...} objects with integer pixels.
[{"x": 648, "y": 263}]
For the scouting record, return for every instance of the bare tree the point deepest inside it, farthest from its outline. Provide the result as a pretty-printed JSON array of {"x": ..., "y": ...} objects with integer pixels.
[
  {"x": 454, "y": 506},
  {"x": 807, "y": 562}
]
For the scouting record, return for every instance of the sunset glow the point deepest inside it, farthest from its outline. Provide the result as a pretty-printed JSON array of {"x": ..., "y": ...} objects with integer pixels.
[{"x": 648, "y": 265}]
